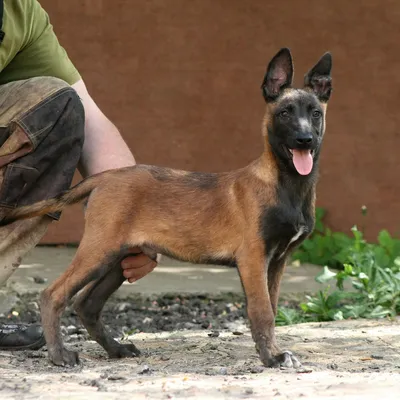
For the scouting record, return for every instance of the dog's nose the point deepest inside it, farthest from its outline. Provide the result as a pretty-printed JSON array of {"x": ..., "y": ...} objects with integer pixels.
[{"x": 304, "y": 139}]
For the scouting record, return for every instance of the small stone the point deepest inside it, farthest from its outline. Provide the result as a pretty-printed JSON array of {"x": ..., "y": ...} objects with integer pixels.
[
  {"x": 90, "y": 382},
  {"x": 145, "y": 370},
  {"x": 237, "y": 333},
  {"x": 223, "y": 371},
  {"x": 34, "y": 304},
  {"x": 116, "y": 378},
  {"x": 39, "y": 279},
  {"x": 333, "y": 366},
  {"x": 164, "y": 358},
  {"x": 248, "y": 391},
  {"x": 213, "y": 334},
  {"x": 148, "y": 320},
  {"x": 175, "y": 307},
  {"x": 122, "y": 307},
  {"x": 377, "y": 357},
  {"x": 35, "y": 354},
  {"x": 94, "y": 383},
  {"x": 71, "y": 329},
  {"x": 304, "y": 371},
  {"x": 258, "y": 369},
  {"x": 212, "y": 371},
  {"x": 72, "y": 338}
]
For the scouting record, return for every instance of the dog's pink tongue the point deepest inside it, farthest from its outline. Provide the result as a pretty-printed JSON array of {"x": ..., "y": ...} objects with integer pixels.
[{"x": 303, "y": 161}]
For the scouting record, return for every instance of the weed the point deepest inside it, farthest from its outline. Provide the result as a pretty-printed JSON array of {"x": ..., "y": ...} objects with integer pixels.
[{"x": 367, "y": 276}]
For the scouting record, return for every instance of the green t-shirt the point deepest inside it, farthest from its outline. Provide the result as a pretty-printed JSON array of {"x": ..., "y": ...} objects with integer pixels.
[{"x": 30, "y": 47}]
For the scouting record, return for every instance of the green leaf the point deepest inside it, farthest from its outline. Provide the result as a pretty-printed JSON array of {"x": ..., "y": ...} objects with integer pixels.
[
  {"x": 316, "y": 308},
  {"x": 348, "y": 269},
  {"x": 381, "y": 256},
  {"x": 304, "y": 307},
  {"x": 308, "y": 244},
  {"x": 319, "y": 215},
  {"x": 386, "y": 240},
  {"x": 325, "y": 276},
  {"x": 379, "y": 312},
  {"x": 338, "y": 316},
  {"x": 355, "y": 311},
  {"x": 357, "y": 285},
  {"x": 363, "y": 276}
]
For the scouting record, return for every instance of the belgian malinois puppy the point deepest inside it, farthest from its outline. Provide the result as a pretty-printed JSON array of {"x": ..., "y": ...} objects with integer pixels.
[{"x": 252, "y": 218}]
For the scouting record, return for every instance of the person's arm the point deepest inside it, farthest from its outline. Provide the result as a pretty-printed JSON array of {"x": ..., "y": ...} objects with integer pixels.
[
  {"x": 40, "y": 54},
  {"x": 105, "y": 149}
]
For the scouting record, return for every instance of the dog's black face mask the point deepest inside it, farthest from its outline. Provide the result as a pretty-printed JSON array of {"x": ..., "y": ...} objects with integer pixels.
[
  {"x": 296, "y": 130},
  {"x": 296, "y": 120}
]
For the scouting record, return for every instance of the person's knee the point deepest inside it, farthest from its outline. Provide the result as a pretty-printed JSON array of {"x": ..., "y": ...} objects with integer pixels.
[
  {"x": 61, "y": 103},
  {"x": 55, "y": 129},
  {"x": 68, "y": 100},
  {"x": 75, "y": 114}
]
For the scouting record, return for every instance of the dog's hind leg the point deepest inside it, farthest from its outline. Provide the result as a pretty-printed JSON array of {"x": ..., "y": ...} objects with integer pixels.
[
  {"x": 89, "y": 304},
  {"x": 90, "y": 263}
]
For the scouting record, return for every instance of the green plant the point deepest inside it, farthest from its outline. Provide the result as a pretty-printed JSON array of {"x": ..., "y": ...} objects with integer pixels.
[
  {"x": 324, "y": 247},
  {"x": 366, "y": 276},
  {"x": 373, "y": 271},
  {"x": 289, "y": 316},
  {"x": 334, "y": 249}
]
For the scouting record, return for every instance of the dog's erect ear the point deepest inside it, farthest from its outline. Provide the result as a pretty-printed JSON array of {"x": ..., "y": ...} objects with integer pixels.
[
  {"x": 279, "y": 75},
  {"x": 319, "y": 80}
]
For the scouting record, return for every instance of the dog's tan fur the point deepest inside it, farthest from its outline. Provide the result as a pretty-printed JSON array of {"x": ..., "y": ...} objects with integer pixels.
[{"x": 190, "y": 216}]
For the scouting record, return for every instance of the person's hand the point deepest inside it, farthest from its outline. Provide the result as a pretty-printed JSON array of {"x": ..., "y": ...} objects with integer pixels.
[{"x": 137, "y": 266}]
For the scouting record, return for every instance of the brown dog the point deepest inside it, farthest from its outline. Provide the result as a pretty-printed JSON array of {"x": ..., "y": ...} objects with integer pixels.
[{"x": 252, "y": 218}]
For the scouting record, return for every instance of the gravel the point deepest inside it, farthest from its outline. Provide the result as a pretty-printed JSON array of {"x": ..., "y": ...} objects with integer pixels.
[{"x": 124, "y": 316}]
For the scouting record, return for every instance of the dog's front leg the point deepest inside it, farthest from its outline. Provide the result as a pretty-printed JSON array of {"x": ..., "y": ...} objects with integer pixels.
[{"x": 251, "y": 266}]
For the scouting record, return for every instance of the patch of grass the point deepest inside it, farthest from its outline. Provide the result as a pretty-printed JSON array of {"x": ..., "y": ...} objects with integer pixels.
[{"x": 371, "y": 269}]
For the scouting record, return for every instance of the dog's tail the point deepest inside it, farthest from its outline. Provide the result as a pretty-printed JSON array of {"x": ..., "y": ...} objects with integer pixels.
[{"x": 58, "y": 203}]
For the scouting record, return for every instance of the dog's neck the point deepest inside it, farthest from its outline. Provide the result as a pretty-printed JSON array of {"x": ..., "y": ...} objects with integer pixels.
[{"x": 297, "y": 187}]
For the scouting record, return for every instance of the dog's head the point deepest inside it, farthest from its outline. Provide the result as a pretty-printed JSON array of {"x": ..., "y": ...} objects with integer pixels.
[{"x": 294, "y": 123}]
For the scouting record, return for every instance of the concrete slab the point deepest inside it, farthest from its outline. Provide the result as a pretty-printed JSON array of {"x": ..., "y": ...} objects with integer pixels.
[{"x": 170, "y": 275}]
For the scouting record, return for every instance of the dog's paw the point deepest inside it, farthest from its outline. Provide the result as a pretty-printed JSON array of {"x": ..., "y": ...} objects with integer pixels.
[
  {"x": 284, "y": 359},
  {"x": 132, "y": 349},
  {"x": 288, "y": 360},
  {"x": 124, "y": 351},
  {"x": 64, "y": 358}
]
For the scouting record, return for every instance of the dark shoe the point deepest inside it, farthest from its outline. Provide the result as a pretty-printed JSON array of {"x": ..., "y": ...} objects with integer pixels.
[{"x": 21, "y": 337}]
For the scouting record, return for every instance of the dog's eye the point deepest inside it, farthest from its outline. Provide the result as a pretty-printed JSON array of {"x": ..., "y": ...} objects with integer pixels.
[
  {"x": 316, "y": 114},
  {"x": 284, "y": 114}
]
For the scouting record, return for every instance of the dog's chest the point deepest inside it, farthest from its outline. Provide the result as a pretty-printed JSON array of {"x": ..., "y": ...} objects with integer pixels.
[{"x": 283, "y": 229}]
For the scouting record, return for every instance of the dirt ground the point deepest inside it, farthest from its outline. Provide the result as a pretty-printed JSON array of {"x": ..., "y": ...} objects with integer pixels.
[
  {"x": 195, "y": 345},
  {"x": 341, "y": 360}
]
